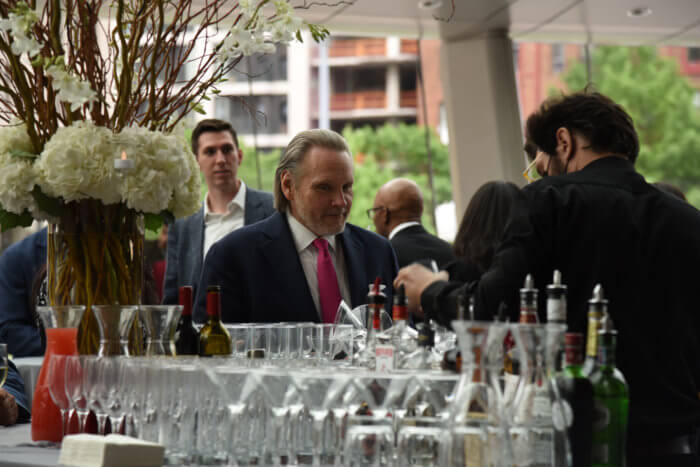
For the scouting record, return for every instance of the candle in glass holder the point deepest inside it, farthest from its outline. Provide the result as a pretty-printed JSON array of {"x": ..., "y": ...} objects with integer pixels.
[{"x": 123, "y": 164}]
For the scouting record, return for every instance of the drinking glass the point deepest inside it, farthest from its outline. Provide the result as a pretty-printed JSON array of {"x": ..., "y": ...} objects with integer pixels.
[
  {"x": 177, "y": 418},
  {"x": 212, "y": 436},
  {"x": 115, "y": 322},
  {"x": 160, "y": 322},
  {"x": 56, "y": 380},
  {"x": 281, "y": 397},
  {"x": 421, "y": 442},
  {"x": 236, "y": 388},
  {"x": 3, "y": 364},
  {"x": 75, "y": 389},
  {"x": 135, "y": 389},
  {"x": 321, "y": 391},
  {"x": 95, "y": 390},
  {"x": 112, "y": 379}
]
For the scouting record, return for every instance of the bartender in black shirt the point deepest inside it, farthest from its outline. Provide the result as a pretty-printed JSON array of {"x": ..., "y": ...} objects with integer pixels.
[{"x": 593, "y": 217}]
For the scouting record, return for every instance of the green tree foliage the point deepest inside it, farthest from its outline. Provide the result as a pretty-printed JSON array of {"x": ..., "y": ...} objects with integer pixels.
[
  {"x": 392, "y": 151},
  {"x": 660, "y": 100}
]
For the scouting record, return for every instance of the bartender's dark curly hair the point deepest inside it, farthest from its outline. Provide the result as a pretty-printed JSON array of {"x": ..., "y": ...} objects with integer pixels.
[{"x": 603, "y": 123}]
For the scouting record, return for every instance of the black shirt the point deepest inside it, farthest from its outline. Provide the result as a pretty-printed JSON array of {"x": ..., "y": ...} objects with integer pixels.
[{"x": 604, "y": 224}]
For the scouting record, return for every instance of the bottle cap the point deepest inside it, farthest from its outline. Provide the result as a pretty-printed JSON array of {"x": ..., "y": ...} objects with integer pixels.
[
  {"x": 598, "y": 303},
  {"x": 376, "y": 295},
  {"x": 185, "y": 299},
  {"x": 556, "y": 289},
  {"x": 529, "y": 293}
]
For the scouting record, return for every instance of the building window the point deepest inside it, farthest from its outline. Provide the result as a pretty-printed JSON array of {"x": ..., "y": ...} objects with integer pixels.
[
  {"x": 694, "y": 54},
  {"x": 262, "y": 67},
  {"x": 558, "y": 59},
  {"x": 267, "y": 113}
]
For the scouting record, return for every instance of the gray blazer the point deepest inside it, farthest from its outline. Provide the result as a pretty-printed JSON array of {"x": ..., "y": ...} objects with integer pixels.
[{"x": 186, "y": 243}]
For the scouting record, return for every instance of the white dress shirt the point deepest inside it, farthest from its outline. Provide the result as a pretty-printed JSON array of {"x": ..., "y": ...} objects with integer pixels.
[
  {"x": 400, "y": 227},
  {"x": 216, "y": 226},
  {"x": 308, "y": 255}
]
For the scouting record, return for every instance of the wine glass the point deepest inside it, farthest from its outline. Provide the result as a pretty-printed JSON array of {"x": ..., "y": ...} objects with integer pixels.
[
  {"x": 56, "y": 379},
  {"x": 112, "y": 379},
  {"x": 95, "y": 390},
  {"x": 282, "y": 397},
  {"x": 75, "y": 389},
  {"x": 3, "y": 364}
]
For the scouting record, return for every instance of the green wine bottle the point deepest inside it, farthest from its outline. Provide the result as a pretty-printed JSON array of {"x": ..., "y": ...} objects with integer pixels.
[
  {"x": 610, "y": 402},
  {"x": 214, "y": 339}
]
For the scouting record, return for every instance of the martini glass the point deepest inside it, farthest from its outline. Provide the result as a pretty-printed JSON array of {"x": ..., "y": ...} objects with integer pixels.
[{"x": 322, "y": 392}]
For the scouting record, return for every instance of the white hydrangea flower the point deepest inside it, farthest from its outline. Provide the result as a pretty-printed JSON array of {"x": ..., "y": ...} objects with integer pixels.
[
  {"x": 17, "y": 175},
  {"x": 78, "y": 163},
  {"x": 70, "y": 88},
  {"x": 18, "y": 24}
]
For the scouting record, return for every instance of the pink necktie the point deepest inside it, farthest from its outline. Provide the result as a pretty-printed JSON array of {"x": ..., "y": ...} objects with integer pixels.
[{"x": 328, "y": 290}]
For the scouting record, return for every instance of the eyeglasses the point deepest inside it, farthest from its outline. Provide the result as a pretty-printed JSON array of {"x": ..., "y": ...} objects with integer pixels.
[
  {"x": 372, "y": 211},
  {"x": 527, "y": 173}
]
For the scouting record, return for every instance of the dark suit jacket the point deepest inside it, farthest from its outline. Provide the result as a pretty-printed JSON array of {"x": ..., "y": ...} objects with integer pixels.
[
  {"x": 604, "y": 224},
  {"x": 15, "y": 386},
  {"x": 415, "y": 243},
  {"x": 19, "y": 265},
  {"x": 262, "y": 280},
  {"x": 186, "y": 243}
]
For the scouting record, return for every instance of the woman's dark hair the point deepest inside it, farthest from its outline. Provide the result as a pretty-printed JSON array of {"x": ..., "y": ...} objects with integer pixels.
[
  {"x": 484, "y": 222},
  {"x": 603, "y": 123}
]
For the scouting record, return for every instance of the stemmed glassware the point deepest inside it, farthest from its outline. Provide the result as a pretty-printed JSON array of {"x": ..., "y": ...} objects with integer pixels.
[
  {"x": 112, "y": 379},
  {"x": 321, "y": 391},
  {"x": 56, "y": 379},
  {"x": 95, "y": 390},
  {"x": 160, "y": 322},
  {"x": 75, "y": 389},
  {"x": 115, "y": 323},
  {"x": 280, "y": 395}
]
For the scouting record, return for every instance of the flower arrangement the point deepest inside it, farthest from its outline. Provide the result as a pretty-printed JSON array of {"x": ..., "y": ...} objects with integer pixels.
[
  {"x": 82, "y": 82},
  {"x": 85, "y": 84}
]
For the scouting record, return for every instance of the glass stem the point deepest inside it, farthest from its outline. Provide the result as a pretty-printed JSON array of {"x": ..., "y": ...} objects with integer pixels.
[
  {"x": 102, "y": 423},
  {"x": 64, "y": 422},
  {"x": 318, "y": 439},
  {"x": 82, "y": 420}
]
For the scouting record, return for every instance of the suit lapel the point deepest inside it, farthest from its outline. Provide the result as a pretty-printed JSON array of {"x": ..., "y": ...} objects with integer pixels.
[
  {"x": 283, "y": 262},
  {"x": 195, "y": 232},
  {"x": 353, "y": 251},
  {"x": 252, "y": 204}
]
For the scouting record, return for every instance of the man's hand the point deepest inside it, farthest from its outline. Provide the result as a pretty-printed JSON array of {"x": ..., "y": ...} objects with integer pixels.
[
  {"x": 416, "y": 278},
  {"x": 8, "y": 408}
]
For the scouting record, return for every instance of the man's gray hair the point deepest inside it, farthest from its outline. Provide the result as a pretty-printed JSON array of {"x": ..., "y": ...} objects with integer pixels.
[{"x": 296, "y": 151}]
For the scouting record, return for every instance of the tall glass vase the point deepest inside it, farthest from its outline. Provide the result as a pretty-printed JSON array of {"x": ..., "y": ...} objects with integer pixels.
[{"x": 95, "y": 257}]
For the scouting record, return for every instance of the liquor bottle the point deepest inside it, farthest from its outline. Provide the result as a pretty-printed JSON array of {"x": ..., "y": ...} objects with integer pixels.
[
  {"x": 577, "y": 394},
  {"x": 375, "y": 304},
  {"x": 611, "y": 402},
  {"x": 597, "y": 307},
  {"x": 423, "y": 358},
  {"x": 556, "y": 300},
  {"x": 214, "y": 339},
  {"x": 186, "y": 336},
  {"x": 556, "y": 323},
  {"x": 528, "y": 302},
  {"x": 400, "y": 336}
]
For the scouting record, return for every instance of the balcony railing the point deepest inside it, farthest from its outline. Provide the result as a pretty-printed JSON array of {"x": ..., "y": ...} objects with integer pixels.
[
  {"x": 357, "y": 47},
  {"x": 408, "y": 99},
  {"x": 409, "y": 46},
  {"x": 358, "y": 100}
]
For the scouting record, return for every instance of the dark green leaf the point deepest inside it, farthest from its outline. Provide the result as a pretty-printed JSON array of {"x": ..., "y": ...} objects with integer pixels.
[
  {"x": 49, "y": 205},
  {"x": 153, "y": 222},
  {"x": 10, "y": 220},
  {"x": 22, "y": 154}
]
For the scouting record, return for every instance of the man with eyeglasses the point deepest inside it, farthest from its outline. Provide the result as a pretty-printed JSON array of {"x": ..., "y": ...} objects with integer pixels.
[
  {"x": 594, "y": 218},
  {"x": 397, "y": 211},
  {"x": 228, "y": 205}
]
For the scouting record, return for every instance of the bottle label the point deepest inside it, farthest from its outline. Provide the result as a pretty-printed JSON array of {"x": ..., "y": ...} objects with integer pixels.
[
  {"x": 384, "y": 357},
  {"x": 593, "y": 325},
  {"x": 556, "y": 310}
]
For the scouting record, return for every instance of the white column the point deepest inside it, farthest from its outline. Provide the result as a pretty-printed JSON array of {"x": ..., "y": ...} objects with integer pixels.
[
  {"x": 393, "y": 88},
  {"x": 393, "y": 46},
  {"x": 298, "y": 79},
  {"x": 486, "y": 141}
]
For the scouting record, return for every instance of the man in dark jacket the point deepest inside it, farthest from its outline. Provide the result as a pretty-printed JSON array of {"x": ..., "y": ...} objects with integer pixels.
[
  {"x": 397, "y": 212},
  {"x": 596, "y": 219}
]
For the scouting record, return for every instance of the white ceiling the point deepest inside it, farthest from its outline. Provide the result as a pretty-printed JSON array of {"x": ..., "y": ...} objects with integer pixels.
[{"x": 671, "y": 22}]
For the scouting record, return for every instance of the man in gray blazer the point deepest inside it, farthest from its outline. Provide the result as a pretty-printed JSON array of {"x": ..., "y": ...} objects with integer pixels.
[{"x": 229, "y": 204}]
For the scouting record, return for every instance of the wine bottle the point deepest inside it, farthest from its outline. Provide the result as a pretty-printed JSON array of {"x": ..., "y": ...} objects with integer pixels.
[
  {"x": 186, "y": 336},
  {"x": 610, "y": 401},
  {"x": 577, "y": 394},
  {"x": 214, "y": 339}
]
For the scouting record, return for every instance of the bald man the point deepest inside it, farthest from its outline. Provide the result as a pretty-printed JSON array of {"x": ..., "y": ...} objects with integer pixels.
[{"x": 397, "y": 211}]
